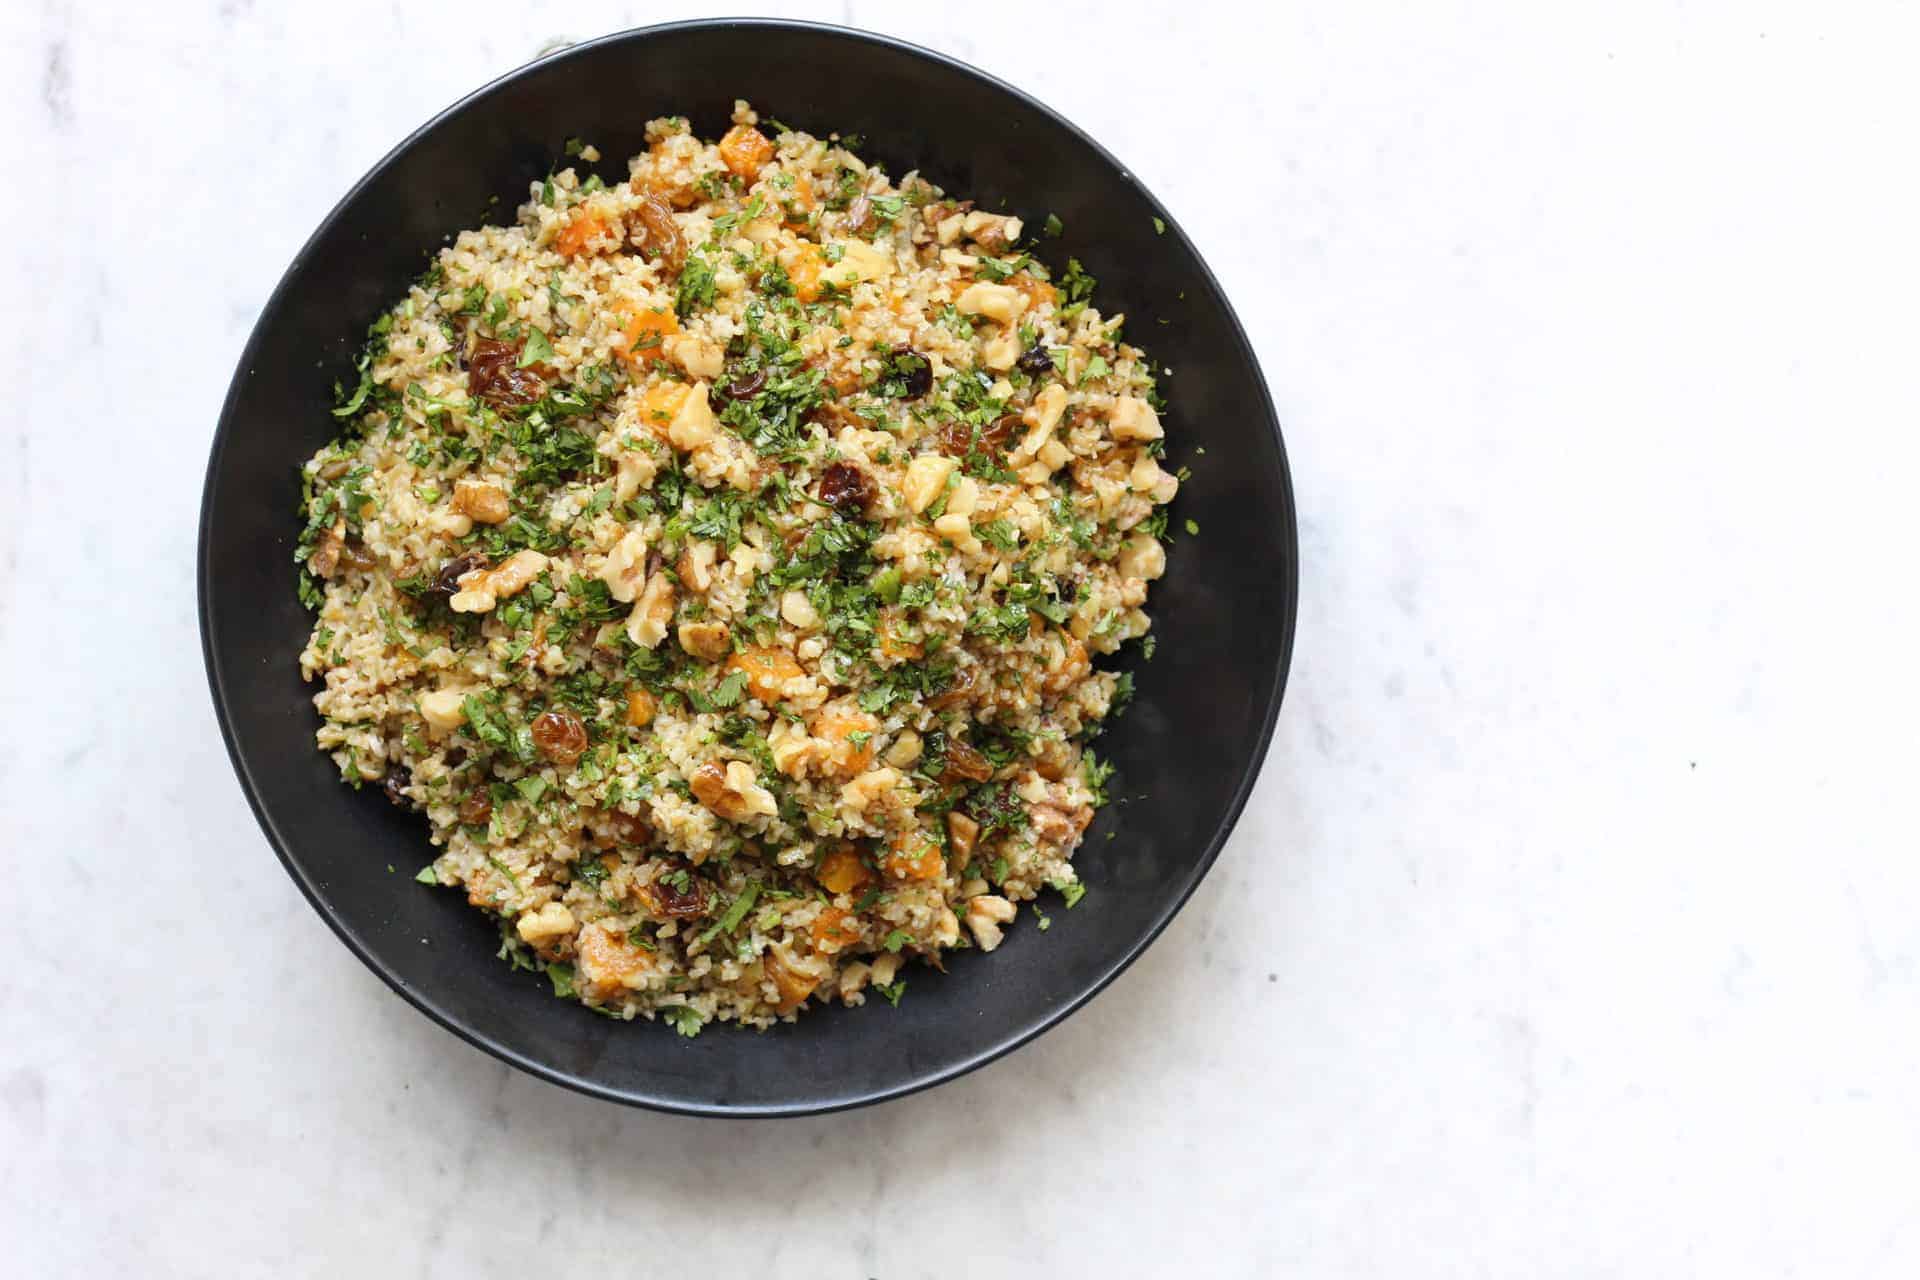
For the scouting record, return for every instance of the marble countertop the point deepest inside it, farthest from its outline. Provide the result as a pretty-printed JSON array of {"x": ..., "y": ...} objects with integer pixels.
[{"x": 1573, "y": 927}]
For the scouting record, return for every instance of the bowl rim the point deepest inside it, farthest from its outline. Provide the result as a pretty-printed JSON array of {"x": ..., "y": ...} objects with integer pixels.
[{"x": 424, "y": 1001}]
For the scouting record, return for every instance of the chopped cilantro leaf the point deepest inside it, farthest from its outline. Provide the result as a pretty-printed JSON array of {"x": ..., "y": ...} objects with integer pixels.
[
  {"x": 538, "y": 349},
  {"x": 1000, "y": 533},
  {"x": 727, "y": 692}
]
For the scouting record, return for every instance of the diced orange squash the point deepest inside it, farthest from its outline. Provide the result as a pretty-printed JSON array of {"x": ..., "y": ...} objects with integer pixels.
[
  {"x": 836, "y": 726},
  {"x": 804, "y": 267},
  {"x": 587, "y": 227},
  {"x": 745, "y": 151},
  {"x": 768, "y": 670},
  {"x": 794, "y": 987},
  {"x": 834, "y": 930},
  {"x": 1038, "y": 291},
  {"x": 641, "y": 335},
  {"x": 659, "y": 403},
  {"x": 608, "y": 963},
  {"x": 841, "y": 871},
  {"x": 914, "y": 855}
]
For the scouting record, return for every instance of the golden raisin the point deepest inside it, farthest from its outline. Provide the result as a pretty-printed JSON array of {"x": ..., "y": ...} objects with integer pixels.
[
  {"x": 494, "y": 375},
  {"x": 657, "y": 235},
  {"x": 964, "y": 764},
  {"x": 560, "y": 736},
  {"x": 476, "y": 809},
  {"x": 961, "y": 690}
]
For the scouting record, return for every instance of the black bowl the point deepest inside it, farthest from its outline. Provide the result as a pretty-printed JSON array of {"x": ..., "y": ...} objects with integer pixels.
[{"x": 1187, "y": 751}]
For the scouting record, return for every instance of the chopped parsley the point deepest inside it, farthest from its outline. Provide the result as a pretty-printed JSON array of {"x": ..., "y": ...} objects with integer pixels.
[
  {"x": 736, "y": 912},
  {"x": 684, "y": 1019},
  {"x": 696, "y": 287}
]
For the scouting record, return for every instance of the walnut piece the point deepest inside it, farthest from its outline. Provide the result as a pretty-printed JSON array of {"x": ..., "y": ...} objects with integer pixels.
[{"x": 481, "y": 589}]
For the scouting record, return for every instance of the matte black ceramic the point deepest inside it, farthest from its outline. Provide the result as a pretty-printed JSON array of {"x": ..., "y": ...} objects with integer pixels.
[{"x": 1187, "y": 750}]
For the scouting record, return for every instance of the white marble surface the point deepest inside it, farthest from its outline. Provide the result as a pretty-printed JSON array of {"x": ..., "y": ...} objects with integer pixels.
[{"x": 1573, "y": 928}]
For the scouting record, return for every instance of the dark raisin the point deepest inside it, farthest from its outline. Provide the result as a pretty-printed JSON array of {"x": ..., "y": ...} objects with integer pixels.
[
  {"x": 834, "y": 416},
  {"x": 745, "y": 386},
  {"x": 456, "y": 757},
  {"x": 494, "y": 375},
  {"x": 355, "y": 556},
  {"x": 1000, "y": 436},
  {"x": 1034, "y": 361},
  {"x": 953, "y": 439},
  {"x": 915, "y": 372},
  {"x": 397, "y": 781},
  {"x": 561, "y": 736},
  {"x": 845, "y": 487},
  {"x": 447, "y": 581},
  {"x": 996, "y": 808},
  {"x": 677, "y": 903}
]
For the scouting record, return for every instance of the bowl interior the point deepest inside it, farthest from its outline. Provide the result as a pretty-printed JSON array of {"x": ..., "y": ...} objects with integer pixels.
[{"x": 1186, "y": 750}]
